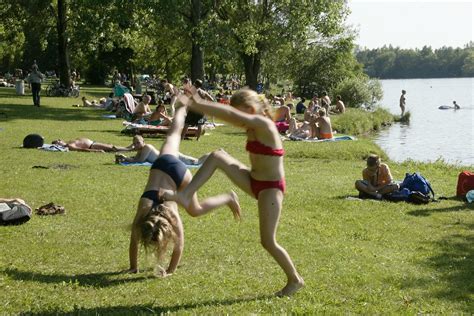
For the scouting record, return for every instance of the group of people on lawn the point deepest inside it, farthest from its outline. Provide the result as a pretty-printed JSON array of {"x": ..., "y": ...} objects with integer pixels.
[{"x": 157, "y": 223}]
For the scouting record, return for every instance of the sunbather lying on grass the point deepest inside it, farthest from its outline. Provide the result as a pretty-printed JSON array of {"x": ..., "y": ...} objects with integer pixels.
[{"x": 86, "y": 144}]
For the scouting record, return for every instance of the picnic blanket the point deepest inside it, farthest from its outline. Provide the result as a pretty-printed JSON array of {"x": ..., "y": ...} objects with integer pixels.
[
  {"x": 310, "y": 140},
  {"x": 134, "y": 128},
  {"x": 50, "y": 147},
  {"x": 148, "y": 164}
]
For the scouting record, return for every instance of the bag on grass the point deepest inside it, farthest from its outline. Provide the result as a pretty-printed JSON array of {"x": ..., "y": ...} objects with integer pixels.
[
  {"x": 465, "y": 183},
  {"x": 398, "y": 196},
  {"x": 14, "y": 214},
  {"x": 417, "y": 197},
  {"x": 416, "y": 182}
]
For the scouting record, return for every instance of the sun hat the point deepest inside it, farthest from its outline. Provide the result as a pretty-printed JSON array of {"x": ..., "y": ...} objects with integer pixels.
[{"x": 470, "y": 196}]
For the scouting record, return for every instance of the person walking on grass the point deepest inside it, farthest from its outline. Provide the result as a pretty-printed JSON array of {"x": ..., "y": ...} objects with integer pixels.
[
  {"x": 35, "y": 78},
  {"x": 157, "y": 223},
  {"x": 265, "y": 180}
]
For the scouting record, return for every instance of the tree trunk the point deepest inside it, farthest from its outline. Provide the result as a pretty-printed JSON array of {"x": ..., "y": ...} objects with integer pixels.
[
  {"x": 252, "y": 68},
  {"x": 197, "y": 55},
  {"x": 64, "y": 73}
]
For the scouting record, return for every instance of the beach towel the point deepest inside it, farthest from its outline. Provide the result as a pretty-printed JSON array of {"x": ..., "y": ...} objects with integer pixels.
[
  {"x": 50, "y": 147},
  {"x": 334, "y": 139},
  {"x": 129, "y": 102},
  {"x": 148, "y": 164}
]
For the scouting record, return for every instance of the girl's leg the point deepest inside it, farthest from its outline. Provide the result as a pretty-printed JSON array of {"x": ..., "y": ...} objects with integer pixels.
[
  {"x": 172, "y": 103},
  {"x": 269, "y": 207},
  {"x": 235, "y": 171},
  {"x": 173, "y": 139}
]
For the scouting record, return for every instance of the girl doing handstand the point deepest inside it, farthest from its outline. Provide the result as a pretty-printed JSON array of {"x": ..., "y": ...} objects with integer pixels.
[{"x": 157, "y": 223}]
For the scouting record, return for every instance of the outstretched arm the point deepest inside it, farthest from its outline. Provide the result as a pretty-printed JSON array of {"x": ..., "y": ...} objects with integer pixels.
[
  {"x": 178, "y": 245},
  {"x": 226, "y": 113}
]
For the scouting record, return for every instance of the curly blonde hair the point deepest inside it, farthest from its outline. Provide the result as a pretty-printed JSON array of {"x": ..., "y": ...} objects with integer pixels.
[
  {"x": 250, "y": 98},
  {"x": 157, "y": 230}
]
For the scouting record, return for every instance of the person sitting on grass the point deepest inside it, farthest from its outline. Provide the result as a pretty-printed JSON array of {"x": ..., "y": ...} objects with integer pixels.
[
  {"x": 142, "y": 110},
  {"x": 321, "y": 126},
  {"x": 159, "y": 117},
  {"x": 157, "y": 223},
  {"x": 340, "y": 107},
  {"x": 148, "y": 153},
  {"x": 377, "y": 179},
  {"x": 301, "y": 129},
  {"x": 282, "y": 118},
  {"x": 300, "y": 107},
  {"x": 88, "y": 145}
]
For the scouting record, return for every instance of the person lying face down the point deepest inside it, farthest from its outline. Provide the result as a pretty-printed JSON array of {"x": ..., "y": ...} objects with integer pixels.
[{"x": 86, "y": 144}]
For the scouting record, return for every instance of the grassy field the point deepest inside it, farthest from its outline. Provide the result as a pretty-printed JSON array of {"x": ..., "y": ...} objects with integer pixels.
[{"x": 357, "y": 257}]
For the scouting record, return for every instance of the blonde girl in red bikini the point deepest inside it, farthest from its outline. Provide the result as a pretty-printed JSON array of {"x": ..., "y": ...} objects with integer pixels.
[{"x": 264, "y": 180}]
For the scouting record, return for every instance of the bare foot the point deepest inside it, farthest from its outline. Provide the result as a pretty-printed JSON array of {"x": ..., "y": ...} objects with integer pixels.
[
  {"x": 291, "y": 288},
  {"x": 234, "y": 205},
  {"x": 131, "y": 271}
]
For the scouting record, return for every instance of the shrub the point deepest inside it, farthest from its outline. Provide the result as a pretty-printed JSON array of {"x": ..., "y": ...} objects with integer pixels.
[
  {"x": 358, "y": 121},
  {"x": 360, "y": 90}
]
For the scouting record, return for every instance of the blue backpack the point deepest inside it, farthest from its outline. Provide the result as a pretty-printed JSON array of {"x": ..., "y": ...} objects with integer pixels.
[{"x": 416, "y": 182}]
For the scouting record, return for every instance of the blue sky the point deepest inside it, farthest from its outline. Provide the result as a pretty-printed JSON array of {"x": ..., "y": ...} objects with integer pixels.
[{"x": 412, "y": 24}]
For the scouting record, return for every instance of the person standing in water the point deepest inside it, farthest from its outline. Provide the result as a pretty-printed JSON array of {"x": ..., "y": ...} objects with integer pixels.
[{"x": 403, "y": 102}]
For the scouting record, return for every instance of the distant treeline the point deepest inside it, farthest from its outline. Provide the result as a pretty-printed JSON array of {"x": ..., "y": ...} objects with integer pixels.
[{"x": 396, "y": 63}]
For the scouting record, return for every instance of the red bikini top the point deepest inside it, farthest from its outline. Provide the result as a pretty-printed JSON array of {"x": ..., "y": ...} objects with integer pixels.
[{"x": 256, "y": 147}]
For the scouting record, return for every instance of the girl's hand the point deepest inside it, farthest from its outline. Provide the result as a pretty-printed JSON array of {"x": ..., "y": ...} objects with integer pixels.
[{"x": 189, "y": 89}]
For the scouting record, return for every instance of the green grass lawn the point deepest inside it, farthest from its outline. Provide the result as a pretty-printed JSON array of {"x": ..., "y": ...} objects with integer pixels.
[{"x": 357, "y": 257}]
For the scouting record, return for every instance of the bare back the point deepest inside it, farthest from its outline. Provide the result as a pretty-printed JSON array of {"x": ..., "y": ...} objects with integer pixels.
[{"x": 324, "y": 123}]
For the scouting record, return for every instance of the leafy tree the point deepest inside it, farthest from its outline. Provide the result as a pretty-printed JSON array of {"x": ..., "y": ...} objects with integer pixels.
[{"x": 258, "y": 27}]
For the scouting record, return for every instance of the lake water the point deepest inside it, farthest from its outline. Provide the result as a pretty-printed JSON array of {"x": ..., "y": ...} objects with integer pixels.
[{"x": 431, "y": 133}]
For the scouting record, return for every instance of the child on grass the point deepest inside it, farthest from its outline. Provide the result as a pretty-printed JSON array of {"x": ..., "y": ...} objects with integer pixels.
[
  {"x": 157, "y": 223},
  {"x": 265, "y": 180}
]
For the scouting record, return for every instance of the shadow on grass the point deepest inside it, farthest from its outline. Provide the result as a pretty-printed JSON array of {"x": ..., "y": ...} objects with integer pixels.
[
  {"x": 97, "y": 280},
  {"x": 15, "y": 111},
  {"x": 429, "y": 211},
  {"x": 454, "y": 264},
  {"x": 150, "y": 309}
]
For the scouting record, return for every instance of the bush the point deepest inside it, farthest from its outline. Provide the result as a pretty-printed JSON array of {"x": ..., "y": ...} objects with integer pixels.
[
  {"x": 359, "y": 122},
  {"x": 357, "y": 91}
]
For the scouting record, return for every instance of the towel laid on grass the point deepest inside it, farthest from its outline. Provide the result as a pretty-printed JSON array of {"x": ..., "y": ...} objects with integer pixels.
[
  {"x": 50, "y": 147},
  {"x": 148, "y": 164},
  {"x": 334, "y": 139}
]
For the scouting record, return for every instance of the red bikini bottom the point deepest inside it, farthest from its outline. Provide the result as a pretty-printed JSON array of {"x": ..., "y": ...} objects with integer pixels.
[{"x": 258, "y": 185}]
